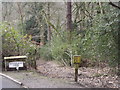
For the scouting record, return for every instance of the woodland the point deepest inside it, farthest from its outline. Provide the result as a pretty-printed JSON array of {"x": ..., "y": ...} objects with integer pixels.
[{"x": 55, "y": 31}]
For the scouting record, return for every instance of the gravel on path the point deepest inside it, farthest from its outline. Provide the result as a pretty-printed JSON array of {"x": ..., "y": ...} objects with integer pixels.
[{"x": 35, "y": 80}]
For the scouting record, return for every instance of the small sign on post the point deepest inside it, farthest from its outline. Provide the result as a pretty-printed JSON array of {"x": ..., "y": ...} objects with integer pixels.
[
  {"x": 76, "y": 61},
  {"x": 15, "y": 62}
]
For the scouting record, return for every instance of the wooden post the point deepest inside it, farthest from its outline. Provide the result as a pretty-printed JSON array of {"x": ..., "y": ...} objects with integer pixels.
[
  {"x": 76, "y": 74},
  {"x": 5, "y": 65},
  {"x": 77, "y": 60}
]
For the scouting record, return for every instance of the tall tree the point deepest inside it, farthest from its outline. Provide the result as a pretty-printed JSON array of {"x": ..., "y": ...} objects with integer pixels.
[
  {"x": 21, "y": 15},
  {"x": 49, "y": 29},
  {"x": 69, "y": 18}
]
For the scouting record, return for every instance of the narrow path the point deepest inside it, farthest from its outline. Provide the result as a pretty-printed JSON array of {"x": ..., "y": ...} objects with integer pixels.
[
  {"x": 34, "y": 80},
  {"x": 7, "y": 83}
]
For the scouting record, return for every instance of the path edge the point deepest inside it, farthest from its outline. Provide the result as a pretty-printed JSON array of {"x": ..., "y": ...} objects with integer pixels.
[{"x": 18, "y": 82}]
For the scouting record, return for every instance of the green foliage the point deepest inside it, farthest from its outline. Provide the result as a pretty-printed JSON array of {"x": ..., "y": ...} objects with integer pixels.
[
  {"x": 59, "y": 47},
  {"x": 94, "y": 35},
  {"x": 35, "y": 25},
  {"x": 98, "y": 42},
  {"x": 45, "y": 52},
  {"x": 101, "y": 40},
  {"x": 13, "y": 43}
]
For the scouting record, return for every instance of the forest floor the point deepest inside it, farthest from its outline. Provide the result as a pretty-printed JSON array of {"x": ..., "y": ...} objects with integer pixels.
[
  {"x": 88, "y": 76},
  {"x": 32, "y": 79},
  {"x": 51, "y": 74}
]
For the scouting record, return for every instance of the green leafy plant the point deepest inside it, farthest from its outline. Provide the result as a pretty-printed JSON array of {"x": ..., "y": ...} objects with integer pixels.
[{"x": 13, "y": 43}]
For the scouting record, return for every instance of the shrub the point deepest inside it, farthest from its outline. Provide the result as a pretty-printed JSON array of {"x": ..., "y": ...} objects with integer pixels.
[{"x": 13, "y": 43}]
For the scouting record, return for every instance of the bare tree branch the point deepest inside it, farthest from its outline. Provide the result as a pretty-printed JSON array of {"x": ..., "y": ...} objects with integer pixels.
[{"x": 114, "y": 5}]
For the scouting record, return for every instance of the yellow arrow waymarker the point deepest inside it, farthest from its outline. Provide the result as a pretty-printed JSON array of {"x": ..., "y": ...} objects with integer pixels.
[{"x": 76, "y": 59}]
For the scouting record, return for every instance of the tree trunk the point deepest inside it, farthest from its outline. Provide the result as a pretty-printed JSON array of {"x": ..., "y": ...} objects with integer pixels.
[
  {"x": 69, "y": 16},
  {"x": 69, "y": 19},
  {"x": 49, "y": 29},
  {"x": 21, "y": 16},
  {"x": 118, "y": 45}
]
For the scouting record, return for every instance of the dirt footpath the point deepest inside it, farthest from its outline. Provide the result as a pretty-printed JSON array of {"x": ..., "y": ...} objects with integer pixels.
[
  {"x": 88, "y": 77},
  {"x": 35, "y": 80},
  {"x": 50, "y": 74}
]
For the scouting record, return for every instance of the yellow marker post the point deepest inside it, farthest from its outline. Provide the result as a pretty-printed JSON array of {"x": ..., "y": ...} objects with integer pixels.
[{"x": 76, "y": 61}]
